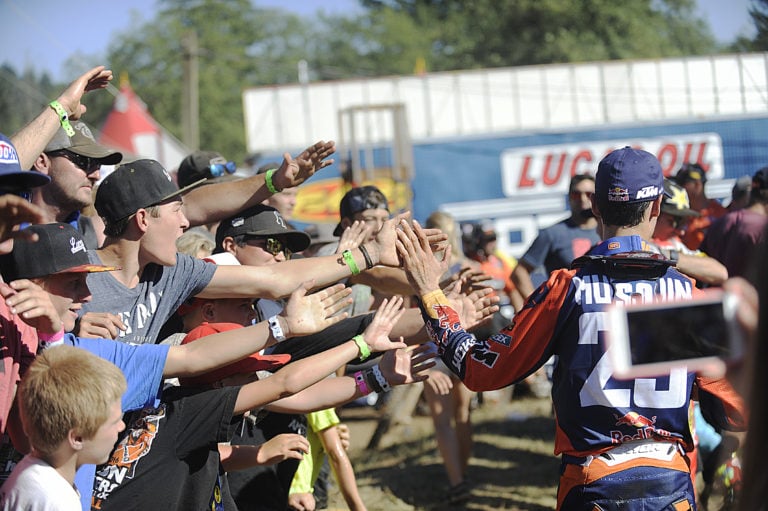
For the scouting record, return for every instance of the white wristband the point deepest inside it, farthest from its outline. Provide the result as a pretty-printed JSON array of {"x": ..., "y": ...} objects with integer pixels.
[
  {"x": 385, "y": 386},
  {"x": 277, "y": 330}
]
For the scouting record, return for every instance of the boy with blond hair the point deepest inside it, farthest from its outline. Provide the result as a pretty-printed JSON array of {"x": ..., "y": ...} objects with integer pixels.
[{"x": 69, "y": 422}]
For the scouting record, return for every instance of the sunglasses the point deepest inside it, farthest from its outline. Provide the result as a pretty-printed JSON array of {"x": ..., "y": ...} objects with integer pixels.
[
  {"x": 219, "y": 167},
  {"x": 272, "y": 245},
  {"x": 85, "y": 163}
]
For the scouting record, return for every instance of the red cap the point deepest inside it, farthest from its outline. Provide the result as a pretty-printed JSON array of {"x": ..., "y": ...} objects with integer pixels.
[{"x": 251, "y": 364}]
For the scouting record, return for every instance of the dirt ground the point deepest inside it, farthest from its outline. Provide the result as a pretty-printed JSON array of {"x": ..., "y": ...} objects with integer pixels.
[{"x": 512, "y": 467}]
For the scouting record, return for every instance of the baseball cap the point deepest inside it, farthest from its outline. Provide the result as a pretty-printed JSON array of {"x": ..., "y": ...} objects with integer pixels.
[
  {"x": 261, "y": 220},
  {"x": 59, "y": 249},
  {"x": 629, "y": 175},
  {"x": 675, "y": 201},
  {"x": 203, "y": 165},
  {"x": 133, "y": 186},
  {"x": 11, "y": 174},
  {"x": 82, "y": 142},
  {"x": 255, "y": 362},
  {"x": 360, "y": 199},
  {"x": 690, "y": 172}
]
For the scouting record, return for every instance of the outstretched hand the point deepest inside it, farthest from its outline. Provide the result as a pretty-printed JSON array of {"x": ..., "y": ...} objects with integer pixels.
[
  {"x": 96, "y": 78},
  {"x": 376, "y": 335},
  {"x": 407, "y": 365},
  {"x": 353, "y": 236},
  {"x": 309, "y": 313},
  {"x": 420, "y": 265},
  {"x": 385, "y": 243},
  {"x": 475, "y": 308},
  {"x": 293, "y": 172}
]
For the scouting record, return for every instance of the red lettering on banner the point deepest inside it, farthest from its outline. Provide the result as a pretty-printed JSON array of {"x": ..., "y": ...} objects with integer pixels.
[
  {"x": 581, "y": 155},
  {"x": 668, "y": 158},
  {"x": 700, "y": 156},
  {"x": 546, "y": 177},
  {"x": 525, "y": 180}
]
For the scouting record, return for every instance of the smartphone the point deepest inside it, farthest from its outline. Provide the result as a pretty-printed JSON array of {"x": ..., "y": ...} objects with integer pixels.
[{"x": 647, "y": 340}]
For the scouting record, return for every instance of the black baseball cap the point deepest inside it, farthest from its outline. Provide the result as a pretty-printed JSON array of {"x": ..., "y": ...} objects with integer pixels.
[
  {"x": 133, "y": 186},
  {"x": 204, "y": 165},
  {"x": 83, "y": 143},
  {"x": 675, "y": 201},
  {"x": 360, "y": 199},
  {"x": 261, "y": 220},
  {"x": 59, "y": 249}
]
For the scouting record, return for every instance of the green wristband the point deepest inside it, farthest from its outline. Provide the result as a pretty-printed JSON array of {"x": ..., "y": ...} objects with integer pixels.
[
  {"x": 268, "y": 179},
  {"x": 350, "y": 260},
  {"x": 63, "y": 117},
  {"x": 365, "y": 351}
]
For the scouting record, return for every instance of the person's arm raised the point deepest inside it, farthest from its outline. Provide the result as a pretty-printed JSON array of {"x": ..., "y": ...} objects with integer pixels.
[
  {"x": 303, "y": 314},
  {"x": 278, "y": 280},
  {"x": 30, "y": 140},
  {"x": 398, "y": 367},
  {"x": 299, "y": 375},
  {"x": 218, "y": 201}
]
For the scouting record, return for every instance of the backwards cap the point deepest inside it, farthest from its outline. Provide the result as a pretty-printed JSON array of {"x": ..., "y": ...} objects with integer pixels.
[{"x": 251, "y": 364}]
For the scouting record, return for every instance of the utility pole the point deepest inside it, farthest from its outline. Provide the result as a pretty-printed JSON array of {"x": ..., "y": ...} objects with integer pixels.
[{"x": 190, "y": 104}]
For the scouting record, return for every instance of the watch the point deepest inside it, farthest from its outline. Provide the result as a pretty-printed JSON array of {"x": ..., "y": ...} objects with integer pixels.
[{"x": 277, "y": 330}]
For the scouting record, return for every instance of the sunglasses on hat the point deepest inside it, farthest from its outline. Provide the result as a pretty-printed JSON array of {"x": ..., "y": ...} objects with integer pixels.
[
  {"x": 272, "y": 245},
  {"x": 85, "y": 163},
  {"x": 219, "y": 166}
]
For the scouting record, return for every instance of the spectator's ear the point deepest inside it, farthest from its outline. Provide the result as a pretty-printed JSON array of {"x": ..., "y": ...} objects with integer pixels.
[
  {"x": 75, "y": 439},
  {"x": 42, "y": 164},
  {"x": 209, "y": 311},
  {"x": 228, "y": 244}
]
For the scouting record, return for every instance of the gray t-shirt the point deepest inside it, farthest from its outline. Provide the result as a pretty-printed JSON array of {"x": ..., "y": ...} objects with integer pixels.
[{"x": 145, "y": 308}]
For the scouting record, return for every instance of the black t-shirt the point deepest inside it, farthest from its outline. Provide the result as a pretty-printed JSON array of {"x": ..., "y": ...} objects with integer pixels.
[
  {"x": 167, "y": 457},
  {"x": 265, "y": 488}
]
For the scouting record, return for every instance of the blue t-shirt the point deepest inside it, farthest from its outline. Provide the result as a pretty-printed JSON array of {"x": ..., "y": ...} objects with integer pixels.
[
  {"x": 142, "y": 366},
  {"x": 556, "y": 247}
]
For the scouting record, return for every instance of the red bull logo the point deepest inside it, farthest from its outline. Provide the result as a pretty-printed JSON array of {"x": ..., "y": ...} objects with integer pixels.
[
  {"x": 635, "y": 419},
  {"x": 645, "y": 428}
]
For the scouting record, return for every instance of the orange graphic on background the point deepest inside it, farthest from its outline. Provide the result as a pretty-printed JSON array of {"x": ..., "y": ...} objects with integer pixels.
[{"x": 318, "y": 201}]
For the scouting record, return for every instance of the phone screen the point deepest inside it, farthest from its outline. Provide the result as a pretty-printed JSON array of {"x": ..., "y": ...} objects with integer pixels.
[{"x": 678, "y": 333}]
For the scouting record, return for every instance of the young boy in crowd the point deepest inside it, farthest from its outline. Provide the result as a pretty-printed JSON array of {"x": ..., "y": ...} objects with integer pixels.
[{"x": 69, "y": 422}]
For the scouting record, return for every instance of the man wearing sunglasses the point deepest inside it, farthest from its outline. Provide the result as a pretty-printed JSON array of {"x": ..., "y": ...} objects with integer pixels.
[
  {"x": 73, "y": 164},
  {"x": 556, "y": 246}
]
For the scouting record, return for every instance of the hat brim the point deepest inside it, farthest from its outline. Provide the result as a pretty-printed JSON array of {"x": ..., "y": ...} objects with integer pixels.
[
  {"x": 338, "y": 230},
  {"x": 24, "y": 179},
  {"x": 180, "y": 191},
  {"x": 680, "y": 212},
  {"x": 88, "y": 268},
  {"x": 106, "y": 155}
]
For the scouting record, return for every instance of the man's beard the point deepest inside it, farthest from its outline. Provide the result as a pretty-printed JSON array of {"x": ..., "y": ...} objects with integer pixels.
[{"x": 586, "y": 213}]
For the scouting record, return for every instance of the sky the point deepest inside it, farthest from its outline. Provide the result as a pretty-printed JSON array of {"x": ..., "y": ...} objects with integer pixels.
[{"x": 43, "y": 35}]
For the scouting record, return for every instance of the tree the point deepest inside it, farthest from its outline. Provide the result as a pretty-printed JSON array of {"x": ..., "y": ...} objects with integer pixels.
[{"x": 239, "y": 46}]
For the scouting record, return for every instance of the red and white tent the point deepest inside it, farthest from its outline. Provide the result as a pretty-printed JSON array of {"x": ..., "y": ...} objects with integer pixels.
[{"x": 131, "y": 129}]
